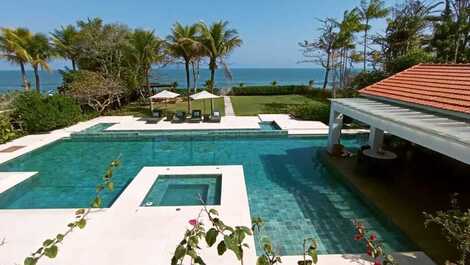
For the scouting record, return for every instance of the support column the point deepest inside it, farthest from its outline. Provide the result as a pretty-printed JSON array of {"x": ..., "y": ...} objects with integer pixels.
[
  {"x": 376, "y": 138},
  {"x": 335, "y": 126}
]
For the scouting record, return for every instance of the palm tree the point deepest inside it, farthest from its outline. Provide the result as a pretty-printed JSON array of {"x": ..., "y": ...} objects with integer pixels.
[
  {"x": 145, "y": 50},
  {"x": 13, "y": 47},
  {"x": 219, "y": 41},
  {"x": 183, "y": 43},
  {"x": 65, "y": 43},
  {"x": 368, "y": 11},
  {"x": 40, "y": 51}
]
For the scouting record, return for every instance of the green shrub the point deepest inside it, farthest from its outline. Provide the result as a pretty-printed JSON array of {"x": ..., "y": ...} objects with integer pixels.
[
  {"x": 39, "y": 113},
  {"x": 406, "y": 61},
  {"x": 7, "y": 132},
  {"x": 270, "y": 90},
  {"x": 364, "y": 79},
  {"x": 314, "y": 111}
]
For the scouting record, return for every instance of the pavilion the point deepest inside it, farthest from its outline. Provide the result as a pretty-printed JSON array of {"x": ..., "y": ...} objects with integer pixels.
[{"x": 427, "y": 104}]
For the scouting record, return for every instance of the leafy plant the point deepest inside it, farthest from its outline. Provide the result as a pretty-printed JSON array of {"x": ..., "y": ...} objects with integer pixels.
[
  {"x": 269, "y": 256},
  {"x": 40, "y": 113},
  {"x": 374, "y": 248},
  {"x": 7, "y": 132},
  {"x": 310, "y": 251},
  {"x": 317, "y": 111},
  {"x": 455, "y": 226},
  {"x": 50, "y": 246},
  {"x": 232, "y": 238}
]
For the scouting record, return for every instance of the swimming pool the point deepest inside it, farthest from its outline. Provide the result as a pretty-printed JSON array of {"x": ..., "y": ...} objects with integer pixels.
[{"x": 287, "y": 185}]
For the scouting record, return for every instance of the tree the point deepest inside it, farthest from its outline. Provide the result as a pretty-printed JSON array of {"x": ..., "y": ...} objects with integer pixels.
[
  {"x": 95, "y": 90},
  {"x": 219, "y": 41},
  {"x": 369, "y": 10},
  {"x": 65, "y": 42},
  {"x": 183, "y": 43},
  {"x": 321, "y": 50},
  {"x": 144, "y": 50},
  {"x": 13, "y": 45},
  {"x": 40, "y": 51}
]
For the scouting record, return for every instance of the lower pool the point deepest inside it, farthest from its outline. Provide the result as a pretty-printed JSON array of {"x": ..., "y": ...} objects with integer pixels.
[{"x": 287, "y": 185}]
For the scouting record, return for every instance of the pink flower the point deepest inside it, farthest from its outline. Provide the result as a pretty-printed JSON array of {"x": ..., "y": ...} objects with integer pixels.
[
  {"x": 193, "y": 222},
  {"x": 358, "y": 237},
  {"x": 378, "y": 262},
  {"x": 373, "y": 237}
]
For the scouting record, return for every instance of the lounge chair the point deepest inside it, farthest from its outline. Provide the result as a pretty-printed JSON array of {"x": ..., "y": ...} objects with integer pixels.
[
  {"x": 195, "y": 116},
  {"x": 180, "y": 116},
  {"x": 156, "y": 113},
  {"x": 215, "y": 116},
  {"x": 169, "y": 116}
]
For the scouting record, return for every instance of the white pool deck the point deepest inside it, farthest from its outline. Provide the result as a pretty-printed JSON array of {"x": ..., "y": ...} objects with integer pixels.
[{"x": 127, "y": 234}]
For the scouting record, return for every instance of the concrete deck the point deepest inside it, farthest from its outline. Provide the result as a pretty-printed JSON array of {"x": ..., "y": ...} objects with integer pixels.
[{"x": 296, "y": 127}]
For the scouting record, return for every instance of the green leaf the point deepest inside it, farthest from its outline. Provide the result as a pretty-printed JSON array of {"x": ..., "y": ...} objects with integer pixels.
[
  {"x": 110, "y": 186},
  {"x": 211, "y": 236},
  {"x": 221, "y": 248},
  {"x": 246, "y": 230},
  {"x": 30, "y": 261},
  {"x": 96, "y": 202},
  {"x": 180, "y": 252},
  {"x": 51, "y": 252},
  {"x": 214, "y": 212},
  {"x": 198, "y": 260},
  {"x": 313, "y": 254},
  {"x": 81, "y": 223},
  {"x": 80, "y": 212},
  {"x": 99, "y": 188},
  {"x": 47, "y": 242},
  {"x": 174, "y": 261},
  {"x": 262, "y": 260},
  {"x": 59, "y": 237}
]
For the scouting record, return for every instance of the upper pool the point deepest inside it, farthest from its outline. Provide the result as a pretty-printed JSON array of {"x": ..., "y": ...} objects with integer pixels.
[{"x": 287, "y": 185}]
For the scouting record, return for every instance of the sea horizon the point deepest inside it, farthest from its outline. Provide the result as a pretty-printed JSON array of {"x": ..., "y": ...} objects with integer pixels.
[{"x": 10, "y": 80}]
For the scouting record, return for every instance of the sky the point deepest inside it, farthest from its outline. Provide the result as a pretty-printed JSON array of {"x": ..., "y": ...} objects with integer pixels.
[{"x": 270, "y": 29}]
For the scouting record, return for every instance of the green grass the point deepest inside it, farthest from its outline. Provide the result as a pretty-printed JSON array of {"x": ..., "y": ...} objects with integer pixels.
[
  {"x": 254, "y": 105},
  {"x": 140, "y": 109}
]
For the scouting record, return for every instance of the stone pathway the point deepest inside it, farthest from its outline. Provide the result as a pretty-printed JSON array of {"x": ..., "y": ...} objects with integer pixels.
[{"x": 228, "y": 106}]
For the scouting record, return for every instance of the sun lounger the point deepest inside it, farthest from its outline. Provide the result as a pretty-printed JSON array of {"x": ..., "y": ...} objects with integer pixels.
[
  {"x": 215, "y": 117},
  {"x": 195, "y": 116},
  {"x": 180, "y": 116}
]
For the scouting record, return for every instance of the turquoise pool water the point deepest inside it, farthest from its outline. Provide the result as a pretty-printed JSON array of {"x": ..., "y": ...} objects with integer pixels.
[
  {"x": 287, "y": 185},
  {"x": 185, "y": 190}
]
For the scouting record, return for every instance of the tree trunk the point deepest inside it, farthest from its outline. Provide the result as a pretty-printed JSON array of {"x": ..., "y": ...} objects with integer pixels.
[
  {"x": 74, "y": 67},
  {"x": 327, "y": 72},
  {"x": 147, "y": 80},
  {"x": 23, "y": 76},
  {"x": 212, "y": 67},
  {"x": 36, "y": 76},
  {"x": 365, "y": 44},
  {"x": 188, "y": 84}
]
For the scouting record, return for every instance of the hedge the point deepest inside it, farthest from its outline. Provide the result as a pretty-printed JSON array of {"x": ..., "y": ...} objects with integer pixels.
[
  {"x": 40, "y": 113},
  {"x": 270, "y": 90},
  {"x": 317, "y": 111}
]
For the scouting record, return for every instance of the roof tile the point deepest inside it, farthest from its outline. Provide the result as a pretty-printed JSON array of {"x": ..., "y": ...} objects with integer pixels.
[{"x": 442, "y": 86}]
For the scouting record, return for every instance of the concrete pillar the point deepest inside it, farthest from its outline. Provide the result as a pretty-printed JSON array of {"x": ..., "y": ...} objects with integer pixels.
[
  {"x": 335, "y": 126},
  {"x": 376, "y": 138}
]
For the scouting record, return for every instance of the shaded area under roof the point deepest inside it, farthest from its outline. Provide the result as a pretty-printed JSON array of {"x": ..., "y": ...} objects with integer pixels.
[{"x": 438, "y": 132}]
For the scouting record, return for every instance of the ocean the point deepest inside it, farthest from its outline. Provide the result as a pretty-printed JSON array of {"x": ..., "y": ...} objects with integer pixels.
[{"x": 11, "y": 80}]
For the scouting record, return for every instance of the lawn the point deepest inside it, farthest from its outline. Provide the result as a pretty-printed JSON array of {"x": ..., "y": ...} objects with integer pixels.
[
  {"x": 143, "y": 109},
  {"x": 254, "y": 105}
]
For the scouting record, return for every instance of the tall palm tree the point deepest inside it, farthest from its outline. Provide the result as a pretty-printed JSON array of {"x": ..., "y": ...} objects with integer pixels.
[
  {"x": 40, "y": 51},
  {"x": 369, "y": 10},
  {"x": 219, "y": 41},
  {"x": 65, "y": 43},
  {"x": 145, "y": 50},
  {"x": 183, "y": 43},
  {"x": 13, "y": 46}
]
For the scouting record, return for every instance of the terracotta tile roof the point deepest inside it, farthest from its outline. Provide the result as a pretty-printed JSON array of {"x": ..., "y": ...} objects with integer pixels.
[{"x": 442, "y": 86}]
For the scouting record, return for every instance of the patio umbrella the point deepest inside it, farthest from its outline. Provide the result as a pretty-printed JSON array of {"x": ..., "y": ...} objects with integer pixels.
[
  {"x": 165, "y": 94},
  {"x": 203, "y": 95}
]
